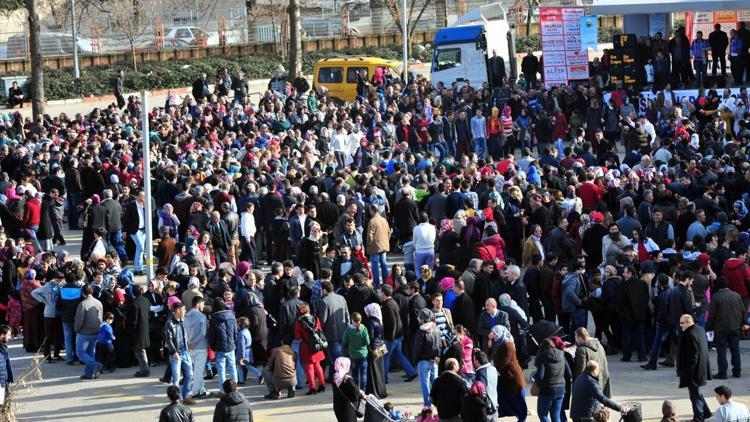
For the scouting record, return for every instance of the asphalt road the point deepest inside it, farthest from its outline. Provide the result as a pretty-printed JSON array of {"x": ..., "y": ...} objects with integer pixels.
[{"x": 62, "y": 396}]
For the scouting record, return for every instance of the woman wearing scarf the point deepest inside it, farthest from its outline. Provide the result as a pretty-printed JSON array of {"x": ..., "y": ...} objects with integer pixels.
[
  {"x": 310, "y": 359},
  {"x": 310, "y": 251},
  {"x": 168, "y": 218},
  {"x": 511, "y": 395},
  {"x": 346, "y": 395},
  {"x": 33, "y": 319},
  {"x": 375, "y": 368},
  {"x": 644, "y": 246},
  {"x": 449, "y": 245}
]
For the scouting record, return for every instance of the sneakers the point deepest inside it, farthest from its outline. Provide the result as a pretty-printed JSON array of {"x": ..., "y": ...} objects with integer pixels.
[
  {"x": 719, "y": 376},
  {"x": 165, "y": 380},
  {"x": 411, "y": 378},
  {"x": 189, "y": 402},
  {"x": 291, "y": 393},
  {"x": 667, "y": 363},
  {"x": 271, "y": 396},
  {"x": 201, "y": 395},
  {"x": 141, "y": 374},
  {"x": 649, "y": 367}
]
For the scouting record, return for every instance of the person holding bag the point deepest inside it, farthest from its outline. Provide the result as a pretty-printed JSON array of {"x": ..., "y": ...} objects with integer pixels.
[
  {"x": 375, "y": 368},
  {"x": 348, "y": 399}
]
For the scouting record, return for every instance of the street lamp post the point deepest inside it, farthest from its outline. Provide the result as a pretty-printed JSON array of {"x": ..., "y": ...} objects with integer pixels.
[
  {"x": 76, "y": 69},
  {"x": 405, "y": 42},
  {"x": 147, "y": 187}
]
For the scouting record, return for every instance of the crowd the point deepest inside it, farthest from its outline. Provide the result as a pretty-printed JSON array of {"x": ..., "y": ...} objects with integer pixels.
[{"x": 638, "y": 219}]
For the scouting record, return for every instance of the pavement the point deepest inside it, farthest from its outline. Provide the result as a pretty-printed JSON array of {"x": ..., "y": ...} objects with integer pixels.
[{"x": 62, "y": 396}]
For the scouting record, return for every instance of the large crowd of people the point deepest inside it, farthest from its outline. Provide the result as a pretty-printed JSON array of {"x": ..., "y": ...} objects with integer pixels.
[{"x": 512, "y": 222}]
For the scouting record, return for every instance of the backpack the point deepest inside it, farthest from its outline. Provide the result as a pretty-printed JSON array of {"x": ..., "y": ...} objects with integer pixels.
[
  {"x": 317, "y": 339},
  {"x": 633, "y": 414}
]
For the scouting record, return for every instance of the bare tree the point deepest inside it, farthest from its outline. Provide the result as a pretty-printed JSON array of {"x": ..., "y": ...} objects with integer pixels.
[
  {"x": 394, "y": 8},
  {"x": 31, "y": 8},
  {"x": 295, "y": 39},
  {"x": 131, "y": 19}
]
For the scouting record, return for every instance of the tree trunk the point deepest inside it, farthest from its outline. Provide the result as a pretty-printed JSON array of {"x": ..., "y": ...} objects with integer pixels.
[
  {"x": 295, "y": 40},
  {"x": 133, "y": 55},
  {"x": 441, "y": 13},
  {"x": 528, "y": 18},
  {"x": 376, "y": 11},
  {"x": 37, "y": 62}
]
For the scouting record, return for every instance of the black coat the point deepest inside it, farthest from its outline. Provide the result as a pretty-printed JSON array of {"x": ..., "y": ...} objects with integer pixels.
[
  {"x": 392, "y": 324},
  {"x": 45, "y": 222},
  {"x": 359, "y": 296},
  {"x": 635, "y": 301},
  {"x": 463, "y": 312},
  {"x": 233, "y": 407},
  {"x": 680, "y": 303},
  {"x": 473, "y": 409},
  {"x": 447, "y": 393},
  {"x": 405, "y": 215},
  {"x": 309, "y": 254},
  {"x": 693, "y": 366},
  {"x": 345, "y": 397},
  {"x": 138, "y": 323}
]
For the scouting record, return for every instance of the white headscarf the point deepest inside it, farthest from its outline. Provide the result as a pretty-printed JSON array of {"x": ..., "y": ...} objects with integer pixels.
[
  {"x": 502, "y": 333},
  {"x": 373, "y": 311}
]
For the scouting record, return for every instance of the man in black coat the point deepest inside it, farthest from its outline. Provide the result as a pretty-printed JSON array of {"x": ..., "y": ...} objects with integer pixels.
[
  {"x": 463, "y": 308},
  {"x": 344, "y": 265},
  {"x": 530, "y": 67},
  {"x": 138, "y": 326},
  {"x": 693, "y": 367},
  {"x": 635, "y": 314},
  {"x": 200, "y": 88},
  {"x": 233, "y": 406},
  {"x": 405, "y": 215},
  {"x": 393, "y": 334},
  {"x": 269, "y": 203},
  {"x": 360, "y": 295},
  {"x": 447, "y": 392},
  {"x": 719, "y": 42},
  {"x": 416, "y": 303},
  {"x": 114, "y": 224}
]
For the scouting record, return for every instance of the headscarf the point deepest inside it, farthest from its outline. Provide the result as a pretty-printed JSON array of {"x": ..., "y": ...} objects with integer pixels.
[
  {"x": 447, "y": 283},
  {"x": 742, "y": 213},
  {"x": 373, "y": 311},
  {"x": 502, "y": 333},
  {"x": 242, "y": 269},
  {"x": 341, "y": 366},
  {"x": 445, "y": 226},
  {"x": 477, "y": 388}
]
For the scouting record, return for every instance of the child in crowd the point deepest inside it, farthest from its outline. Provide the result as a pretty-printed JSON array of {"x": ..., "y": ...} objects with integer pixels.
[
  {"x": 426, "y": 415},
  {"x": 467, "y": 346},
  {"x": 105, "y": 350},
  {"x": 355, "y": 342},
  {"x": 244, "y": 352},
  {"x": 14, "y": 313}
]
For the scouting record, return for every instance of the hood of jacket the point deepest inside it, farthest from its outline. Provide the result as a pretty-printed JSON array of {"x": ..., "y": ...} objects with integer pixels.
[
  {"x": 427, "y": 326},
  {"x": 222, "y": 316},
  {"x": 232, "y": 399},
  {"x": 552, "y": 355},
  {"x": 733, "y": 264},
  {"x": 592, "y": 344},
  {"x": 570, "y": 278},
  {"x": 493, "y": 240}
]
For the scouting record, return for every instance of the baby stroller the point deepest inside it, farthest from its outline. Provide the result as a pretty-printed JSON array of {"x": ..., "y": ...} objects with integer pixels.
[
  {"x": 539, "y": 331},
  {"x": 374, "y": 411}
]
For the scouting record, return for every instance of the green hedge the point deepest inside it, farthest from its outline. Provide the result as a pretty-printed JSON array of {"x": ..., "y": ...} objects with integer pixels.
[{"x": 95, "y": 81}]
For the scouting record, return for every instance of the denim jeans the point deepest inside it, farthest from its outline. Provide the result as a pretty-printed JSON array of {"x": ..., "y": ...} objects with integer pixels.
[
  {"x": 428, "y": 371},
  {"x": 395, "y": 349},
  {"x": 628, "y": 329},
  {"x": 300, "y": 368},
  {"x": 663, "y": 332},
  {"x": 115, "y": 239},
  {"x": 199, "y": 358},
  {"x": 359, "y": 372},
  {"x": 226, "y": 361},
  {"x": 578, "y": 318},
  {"x": 334, "y": 352},
  {"x": 70, "y": 341},
  {"x": 139, "y": 238},
  {"x": 86, "y": 350},
  {"x": 559, "y": 144},
  {"x": 34, "y": 239},
  {"x": 700, "y": 407},
  {"x": 550, "y": 404},
  {"x": 441, "y": 150},
  {"x": 183, "y": 363},
  {"x": 480, "y": 147},
  {"x": 379, "y": 268},
  {"x": 722, "y": 340},
  {"x": 421, "y": 258},
  {"x": 74, "y": 199}
]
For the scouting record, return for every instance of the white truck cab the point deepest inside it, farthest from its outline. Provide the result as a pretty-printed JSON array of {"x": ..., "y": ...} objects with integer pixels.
[{"x": 461, "y": 52}]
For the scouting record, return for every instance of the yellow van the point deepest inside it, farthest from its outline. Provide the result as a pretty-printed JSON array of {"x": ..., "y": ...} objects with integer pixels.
[{"x": 339, "y": 75}]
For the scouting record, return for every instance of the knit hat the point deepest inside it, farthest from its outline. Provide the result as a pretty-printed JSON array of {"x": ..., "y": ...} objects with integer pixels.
[
  {"x": 426, "y": 315},
  {"x": 597, "y": 217}
]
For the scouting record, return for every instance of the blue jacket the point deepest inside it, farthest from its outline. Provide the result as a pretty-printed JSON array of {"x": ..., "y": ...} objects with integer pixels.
[
  {"x": 70, "y": 296},
  {"x": 588, "y": 397},
  {"x": 6, "y": 372},
  {"x": 570, "y": 293},
  {"x": 222, "y": 331},
  {"x": 244, "y": 346}
]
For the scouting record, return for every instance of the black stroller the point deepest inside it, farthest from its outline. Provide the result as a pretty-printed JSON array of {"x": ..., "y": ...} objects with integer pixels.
[
  {"x": 540, "y": 331},
  {"x": 374, "y": 410}
]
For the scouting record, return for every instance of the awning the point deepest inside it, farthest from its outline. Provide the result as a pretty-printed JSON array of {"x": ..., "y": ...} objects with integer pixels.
[
  {"x": 458, "y": 34},
  {"x": 635, "y": 7}
]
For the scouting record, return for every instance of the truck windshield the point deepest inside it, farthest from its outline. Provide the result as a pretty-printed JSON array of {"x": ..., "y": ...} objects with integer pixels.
[{"x": 448, "y": 58}]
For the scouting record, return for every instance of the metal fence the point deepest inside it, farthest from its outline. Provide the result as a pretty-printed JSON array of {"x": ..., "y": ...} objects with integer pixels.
[{"x": 171, "y": 25}]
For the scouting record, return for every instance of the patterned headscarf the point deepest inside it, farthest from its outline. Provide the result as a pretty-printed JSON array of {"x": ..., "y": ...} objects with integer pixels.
[
  {"x": 502, "y": 333},
  {"x": 742, "y": 212},
  {"x": 373, "y": 311},
  {"x": 445, "y": 226},
  {"x": 341, "y": 366}
]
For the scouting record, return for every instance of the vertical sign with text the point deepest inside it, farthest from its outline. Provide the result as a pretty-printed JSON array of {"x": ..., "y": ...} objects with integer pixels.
[{"x": 564, "y": 59}]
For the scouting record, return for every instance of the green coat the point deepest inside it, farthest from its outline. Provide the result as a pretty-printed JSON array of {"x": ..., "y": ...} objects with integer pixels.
[{"x": 355, "y": 342}]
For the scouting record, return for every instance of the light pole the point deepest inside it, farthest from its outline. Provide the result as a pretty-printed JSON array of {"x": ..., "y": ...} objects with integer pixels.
[
  {"x": 405, "y": 42},
  {"x": 147, "y": 187},
  {"x": 76, "y": 70}
]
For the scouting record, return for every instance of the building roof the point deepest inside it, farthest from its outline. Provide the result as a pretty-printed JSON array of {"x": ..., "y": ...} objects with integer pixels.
[{"x": 628, "y": 7}]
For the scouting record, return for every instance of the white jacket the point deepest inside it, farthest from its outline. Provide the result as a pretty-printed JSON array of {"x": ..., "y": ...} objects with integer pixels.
[{"x": 424, "y": 238}]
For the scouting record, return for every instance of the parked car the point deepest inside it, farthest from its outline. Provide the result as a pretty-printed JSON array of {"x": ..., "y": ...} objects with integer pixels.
[
  {"x": 191, "y": 34},
  {"x": 53, "y": 44},
  {"x": 167, "y": 44}
]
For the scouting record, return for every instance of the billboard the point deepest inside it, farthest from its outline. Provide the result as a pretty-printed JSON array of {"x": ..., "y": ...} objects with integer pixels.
[{"x": 565, "y": 59}]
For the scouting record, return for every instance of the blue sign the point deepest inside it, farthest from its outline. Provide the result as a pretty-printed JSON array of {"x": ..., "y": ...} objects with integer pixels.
[{"x": 589, "y": 33}]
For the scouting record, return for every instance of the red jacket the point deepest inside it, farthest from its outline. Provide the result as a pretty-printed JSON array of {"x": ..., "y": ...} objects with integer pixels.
[
  {"x": 32, "y": 213},
  {"x": 738, "y": 274},
  {"x": 590, "y": 195}
]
